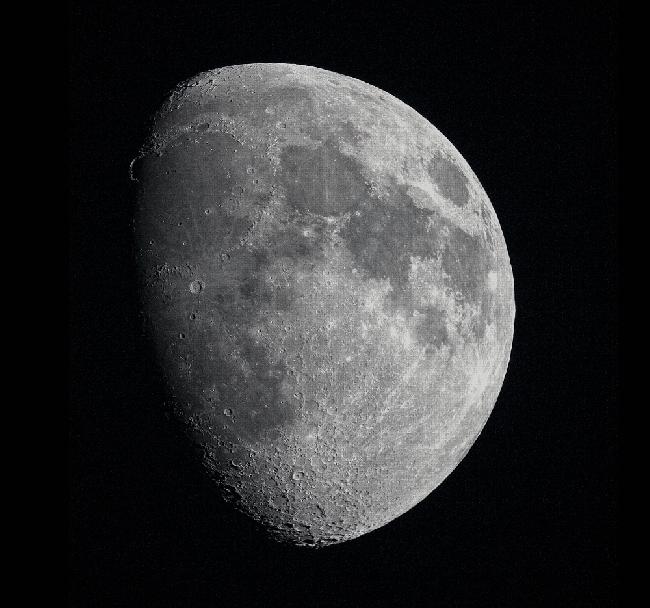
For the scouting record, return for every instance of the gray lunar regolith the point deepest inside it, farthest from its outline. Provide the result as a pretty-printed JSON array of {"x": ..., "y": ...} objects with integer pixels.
[{"x": 329, "y": 292}]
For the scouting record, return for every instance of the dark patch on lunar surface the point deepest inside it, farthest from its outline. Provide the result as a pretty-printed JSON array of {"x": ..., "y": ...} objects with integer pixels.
[
  {"x": 383, "y": 238},
  {"x": 432, "y": 331},
  {"x": 449, "y": 179},
  {"x": 322, "y": 181},
  {"x": 332, "y": 346}
]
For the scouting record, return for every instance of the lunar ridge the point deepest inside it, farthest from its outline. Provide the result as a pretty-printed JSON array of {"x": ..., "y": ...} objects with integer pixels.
[{"x": 328, "y": 290}]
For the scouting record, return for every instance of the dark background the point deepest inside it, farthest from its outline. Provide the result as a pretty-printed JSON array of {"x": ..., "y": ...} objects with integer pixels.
[{"x": 528, "y": 93}]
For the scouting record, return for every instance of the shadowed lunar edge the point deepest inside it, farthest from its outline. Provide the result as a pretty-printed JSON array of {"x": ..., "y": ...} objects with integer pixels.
[{"x": 329, "y": 292}]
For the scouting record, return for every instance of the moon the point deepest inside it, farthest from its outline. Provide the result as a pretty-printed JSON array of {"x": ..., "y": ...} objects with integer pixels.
[{"x": 328, "y": 291}]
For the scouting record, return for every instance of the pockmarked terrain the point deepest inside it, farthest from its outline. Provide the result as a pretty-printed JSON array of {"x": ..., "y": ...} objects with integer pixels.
[{"x": 328, "y": 290}]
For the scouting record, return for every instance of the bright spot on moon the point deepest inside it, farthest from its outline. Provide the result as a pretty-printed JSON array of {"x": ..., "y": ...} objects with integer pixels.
[{"x": 492, "y": 280}]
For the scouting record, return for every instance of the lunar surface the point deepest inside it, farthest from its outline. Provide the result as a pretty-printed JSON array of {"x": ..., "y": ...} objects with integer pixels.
[{"x": 328, "y": 290}]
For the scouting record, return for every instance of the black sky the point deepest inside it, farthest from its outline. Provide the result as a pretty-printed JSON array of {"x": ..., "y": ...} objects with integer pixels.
[{"x": 527, "y": 92}]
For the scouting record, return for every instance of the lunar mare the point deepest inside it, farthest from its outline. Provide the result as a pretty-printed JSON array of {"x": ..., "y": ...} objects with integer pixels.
[{"x": 328, "y": 290}]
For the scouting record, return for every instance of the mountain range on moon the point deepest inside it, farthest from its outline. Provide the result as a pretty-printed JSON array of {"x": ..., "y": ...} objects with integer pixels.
[{"x": 328, "y": 291}]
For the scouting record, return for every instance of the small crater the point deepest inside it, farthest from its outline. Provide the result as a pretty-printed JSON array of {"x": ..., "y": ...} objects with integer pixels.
[
  {"x": 227, "y": 412},
  {"x": 196, "y": 286}
]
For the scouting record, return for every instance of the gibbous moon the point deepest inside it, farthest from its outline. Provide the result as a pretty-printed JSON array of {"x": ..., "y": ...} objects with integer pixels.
[{"x": 328, "y": 290}]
